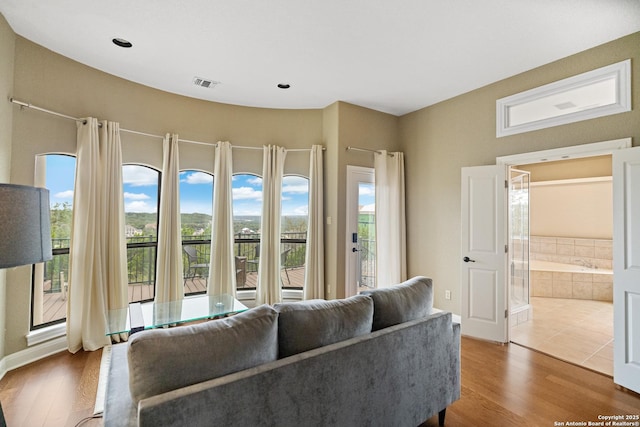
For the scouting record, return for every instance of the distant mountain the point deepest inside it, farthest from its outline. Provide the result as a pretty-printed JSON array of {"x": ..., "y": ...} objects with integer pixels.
[{"x": 199, "y": 221}]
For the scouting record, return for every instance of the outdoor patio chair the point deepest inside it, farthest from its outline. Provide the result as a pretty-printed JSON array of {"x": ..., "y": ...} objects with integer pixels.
[
  {"x": 195, "y": 266},
  {"x": 283, "y": 262}
]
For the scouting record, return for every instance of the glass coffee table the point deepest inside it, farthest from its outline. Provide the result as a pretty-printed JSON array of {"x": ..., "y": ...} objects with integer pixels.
[{"x": 149, "y": 315}]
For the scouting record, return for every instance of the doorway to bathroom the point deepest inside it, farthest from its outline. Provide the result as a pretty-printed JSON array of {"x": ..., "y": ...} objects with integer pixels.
[{"x": 561, "y": 229}]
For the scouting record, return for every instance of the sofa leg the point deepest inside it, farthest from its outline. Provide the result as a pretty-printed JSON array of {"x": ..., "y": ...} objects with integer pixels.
[{"x": 441, "y": 415}]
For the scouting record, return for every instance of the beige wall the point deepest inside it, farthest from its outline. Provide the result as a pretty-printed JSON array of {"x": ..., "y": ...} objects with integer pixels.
[
  {"x": 348, "y": 125},
  {"x": 362, "y": 128},
  {"x": 7, "y": 50},
  {"x": 587, "y": 167},
  {"x": 60, "y": 84},
  {"x": 572, "y": 209},
  {"x": 564, "y": 207},
  {"x": 439, "y": 140},
  {"x": 77, "y": 90}
]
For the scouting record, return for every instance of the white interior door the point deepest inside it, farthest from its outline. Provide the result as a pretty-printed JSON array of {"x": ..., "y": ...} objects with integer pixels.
[
  {"x": 626, "y": 268},
  {"x": 483, "y": 265},
  {"x": 360, "y": 238}
]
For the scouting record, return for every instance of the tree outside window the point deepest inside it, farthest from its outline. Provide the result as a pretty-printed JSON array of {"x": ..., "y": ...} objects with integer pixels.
[
  {"x": 196, "y": 201},
  {"x": 50, "y": 279}
]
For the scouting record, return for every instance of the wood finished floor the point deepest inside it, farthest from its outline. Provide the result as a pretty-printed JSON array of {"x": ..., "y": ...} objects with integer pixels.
[{"x": 501, "y": 386}]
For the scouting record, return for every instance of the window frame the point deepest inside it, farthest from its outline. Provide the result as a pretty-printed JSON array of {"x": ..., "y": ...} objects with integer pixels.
[
  {"x": 150, "y": 244},
  {"x": 55, "y": 252},
  {"x": 196, "y": 241},
  {"x": 620, "y": 72}
]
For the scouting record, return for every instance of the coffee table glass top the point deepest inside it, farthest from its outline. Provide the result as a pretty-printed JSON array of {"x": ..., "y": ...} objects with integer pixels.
[{"x": 155, "y": 315}]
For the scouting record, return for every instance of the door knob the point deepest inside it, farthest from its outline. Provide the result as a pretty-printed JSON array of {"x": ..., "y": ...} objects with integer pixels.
[
  {"x": 467, "y": 259},
  {"x": 354, "y": 250}
]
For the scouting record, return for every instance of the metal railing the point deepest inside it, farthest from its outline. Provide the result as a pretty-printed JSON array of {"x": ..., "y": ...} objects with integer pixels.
[
  {"x": 141, "y": 257},
  {"x": 367, "y": 258}
]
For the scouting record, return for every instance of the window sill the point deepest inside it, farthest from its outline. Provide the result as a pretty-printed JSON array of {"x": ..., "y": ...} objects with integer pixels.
[
  {"x": 39, "y": 336},
  {"x": 287, "y": 294}
]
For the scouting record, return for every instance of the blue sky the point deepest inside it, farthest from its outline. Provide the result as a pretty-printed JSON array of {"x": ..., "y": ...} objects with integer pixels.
[{"x": 196, "y": 188}]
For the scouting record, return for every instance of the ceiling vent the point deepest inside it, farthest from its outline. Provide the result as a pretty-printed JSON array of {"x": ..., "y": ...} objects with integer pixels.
[{"x": 205, "y": 83}]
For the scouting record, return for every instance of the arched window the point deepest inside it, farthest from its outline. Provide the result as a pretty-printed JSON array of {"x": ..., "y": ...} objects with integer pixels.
[
  {"x": 196, "y": 201},
  {"x": 141, "y": 197},
  {"x": 56, "y": 172},
  {"x": 294, "y": 217},
  {"x": 247, "y": 213}
]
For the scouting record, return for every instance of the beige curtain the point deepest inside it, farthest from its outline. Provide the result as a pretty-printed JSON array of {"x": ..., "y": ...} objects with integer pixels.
[
  {"x": 169, "y": 274},
  {"x": 113, "y": 227},
  {"x": 97, "y": 268},
  {"x": 391, "y": 267},
  {"x": 222, "y": 276},
  {"x": 269, "y": 289},
  {"x": 314, "y": 258},
  {"x": 40, "y": 180}
]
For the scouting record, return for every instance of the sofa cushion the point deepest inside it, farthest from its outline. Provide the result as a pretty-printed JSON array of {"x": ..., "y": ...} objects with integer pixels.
[
  {"x": 305, "y": 325},
  {"x": 400, "y": 303},
  {"x": 161, "y": 360}
]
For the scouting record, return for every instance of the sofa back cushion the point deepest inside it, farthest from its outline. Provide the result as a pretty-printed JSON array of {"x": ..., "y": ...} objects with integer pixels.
[
  {"x": 400, "y": 303},
  {"x": 161, "y": 360},
  {"x": 305, "y": 325}
]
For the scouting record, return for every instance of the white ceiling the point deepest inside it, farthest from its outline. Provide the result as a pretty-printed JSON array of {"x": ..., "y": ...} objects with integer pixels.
[{"x": 392, "y": 56}]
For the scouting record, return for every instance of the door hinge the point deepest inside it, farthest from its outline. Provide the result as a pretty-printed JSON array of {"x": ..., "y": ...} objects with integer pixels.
[
  {"x": 506, "y": 313},
  {"x": 506, "y": 249},
  {"x": 506, "y": 184}
]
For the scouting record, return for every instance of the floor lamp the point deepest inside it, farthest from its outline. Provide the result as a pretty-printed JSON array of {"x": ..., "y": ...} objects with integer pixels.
[{"x": 25, "y": 236}]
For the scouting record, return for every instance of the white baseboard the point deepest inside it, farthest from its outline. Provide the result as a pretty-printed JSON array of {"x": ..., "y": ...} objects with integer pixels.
[{"x": 31, "y": 354}]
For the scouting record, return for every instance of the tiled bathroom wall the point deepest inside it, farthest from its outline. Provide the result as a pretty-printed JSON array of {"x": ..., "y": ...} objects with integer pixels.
[{"x": 590, "y": 253}]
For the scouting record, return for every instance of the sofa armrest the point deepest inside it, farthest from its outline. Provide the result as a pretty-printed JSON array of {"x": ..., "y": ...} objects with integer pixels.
[{"x": 119, "y": 408}]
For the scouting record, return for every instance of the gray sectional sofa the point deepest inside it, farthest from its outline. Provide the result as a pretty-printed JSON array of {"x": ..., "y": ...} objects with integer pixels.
[{"x": 381, "y": 358}]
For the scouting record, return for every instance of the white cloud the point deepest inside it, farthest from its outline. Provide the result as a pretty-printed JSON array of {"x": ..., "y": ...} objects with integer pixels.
[
  {"x": 367, "y": 190},
  {"x": 368, "y": 208},
  {"x": 301, "y": 210},
  {"x": 68, "y": 194},
  {"x": 247, "y": 211},
  {"x": 256, "y": 180},
  {"x": 140, "y": 206},
  {"x": 244, "y": 193},
  {"x": 295, "y": 189},
  {"x": 136, "y": 196},
  {"x": 138, "y": 176},
  {"x": 198, "y": 178}
]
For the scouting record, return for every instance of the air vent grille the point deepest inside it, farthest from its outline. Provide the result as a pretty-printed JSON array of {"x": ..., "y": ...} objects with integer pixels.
[{"x": 205, "y": 83}]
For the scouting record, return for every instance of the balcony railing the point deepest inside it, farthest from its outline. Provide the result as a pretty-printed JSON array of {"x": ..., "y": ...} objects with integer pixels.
[
  {"x": 367, "y": 254},
  {"x": 141, "y": 258}
]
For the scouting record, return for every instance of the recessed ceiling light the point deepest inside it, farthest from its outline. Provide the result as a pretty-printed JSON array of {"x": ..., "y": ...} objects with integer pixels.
[
  {"x": 284, "y": 86},
  {"x": 122, "y": 42}
]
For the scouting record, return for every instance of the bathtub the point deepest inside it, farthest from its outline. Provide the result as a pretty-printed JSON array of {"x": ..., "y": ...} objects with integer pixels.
[
  {"x": 559, "y": 280},
  {"x": 538, "y": 265}
]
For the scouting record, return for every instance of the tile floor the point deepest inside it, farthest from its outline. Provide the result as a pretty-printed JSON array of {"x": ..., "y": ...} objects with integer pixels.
[{"x": 577, "y": 331}]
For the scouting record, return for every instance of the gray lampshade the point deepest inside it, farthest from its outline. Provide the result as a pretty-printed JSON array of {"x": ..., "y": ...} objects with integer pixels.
[{"x": 25, "y": 236}]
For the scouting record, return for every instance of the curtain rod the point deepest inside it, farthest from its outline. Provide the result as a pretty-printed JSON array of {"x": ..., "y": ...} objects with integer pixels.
[
  {"x": 23, "y": 104},
  {"x": 366, "y": 150},
  {"x": 83, "y": 121}
]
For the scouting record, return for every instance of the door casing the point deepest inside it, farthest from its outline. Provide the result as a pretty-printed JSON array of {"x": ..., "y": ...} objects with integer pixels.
[
  {"x": 562, "y": 153},
  {"x": 355, "y": 175}
]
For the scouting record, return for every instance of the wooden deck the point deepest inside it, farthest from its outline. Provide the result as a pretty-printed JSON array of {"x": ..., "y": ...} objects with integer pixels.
[{"x": 55, "y": 306}]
